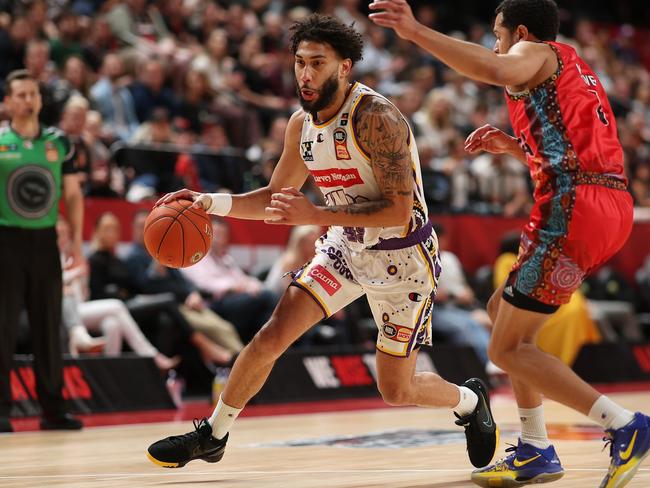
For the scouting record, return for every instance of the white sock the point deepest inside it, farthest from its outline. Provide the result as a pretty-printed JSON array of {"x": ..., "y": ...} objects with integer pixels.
[
  {"x": 533, "y": 427},
  {"x": 467, "y": 403},
  {"x": 608, "y": 414},
  {"x": 222, "y": 419}
]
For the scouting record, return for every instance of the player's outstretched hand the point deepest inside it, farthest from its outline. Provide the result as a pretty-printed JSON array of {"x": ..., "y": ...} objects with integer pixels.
[
  {"x": 201, "y": 200},
  {"x": 489, "y": 139},
  {"x": 290, "y": 207},
  {"x": 396, "y": 15}
]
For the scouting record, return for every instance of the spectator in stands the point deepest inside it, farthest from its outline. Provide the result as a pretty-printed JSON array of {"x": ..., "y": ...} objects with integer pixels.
[
  {"x": 108, "y": 316},
  {"x": 272, "y": 32},
  {"x": 114, "y": 100},
  {"x": 640, "y": 184},
  {"x": 149, "y": 91},
  {"x": 98, "y": 43},
  {"x": 106, "y": 180},
  {"x": 641, "y": 102},
  {"x": 196, "y": 98},
  {"x": 457, "y": 318},
  {"x": 261, "y": 73},
  {"x": 135, "y": 25},
  {"x": 268, "y": 148},
  {"x": 434, "y": 122},
  {"x": 299, "y": 251},
  {"x": 110, "y": 278},
  {"x": 38, "y": 15},
  {"x": 13, "y": 44},
  {"x": 212, "y": 16},
  {"x": 219, "y": 67},
  {"x": 38, "y": 61},
  {"x": 239, "y": 298},
  {"x": 463, "y": 95},
  {"x": 456, "y": 166},
  {"x": 502, "y": 184},
  {"x": 73, "y": 122},
  {"x": 408, "y": 100},
  {"x": 39, "y": 65},
  {"x": 76, "y": 76},
  {"x": 565, "y": 331},
  {"x": 157, "y": 130},
  {"x": 218, "y": 166},
  {"x": 240, "y": 22},
  {"x": 376, "y": 57},
  {"x": 66, "y": 43},
  {"x": 215, "y": 61},
  {"x": 156, "y": 133},
  {"x": 150, "y": 277}
]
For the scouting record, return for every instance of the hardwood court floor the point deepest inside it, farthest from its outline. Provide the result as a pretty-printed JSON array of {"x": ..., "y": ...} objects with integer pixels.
[{"x": 115, "y": 456}]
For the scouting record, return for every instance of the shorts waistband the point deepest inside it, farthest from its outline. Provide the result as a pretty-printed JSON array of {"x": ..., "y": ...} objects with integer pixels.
[
  {"x": 415, "y": 237},
  {"x": 600, "y": 179},
  {"x": 589, "y": 178}
]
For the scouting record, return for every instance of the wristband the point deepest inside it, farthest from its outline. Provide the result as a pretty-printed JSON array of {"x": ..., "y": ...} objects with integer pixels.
[{"x": 221, "y": 203}]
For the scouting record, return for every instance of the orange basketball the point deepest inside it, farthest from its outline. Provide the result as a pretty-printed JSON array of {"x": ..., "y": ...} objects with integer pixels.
[{"x": 177, "y": 235}]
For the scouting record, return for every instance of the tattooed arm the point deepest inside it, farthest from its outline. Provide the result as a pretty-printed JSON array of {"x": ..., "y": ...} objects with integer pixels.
[{"x": 383, "y": 136}]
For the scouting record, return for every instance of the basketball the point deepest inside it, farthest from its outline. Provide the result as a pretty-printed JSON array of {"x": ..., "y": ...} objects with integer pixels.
[{"x": 177, "y": 235}]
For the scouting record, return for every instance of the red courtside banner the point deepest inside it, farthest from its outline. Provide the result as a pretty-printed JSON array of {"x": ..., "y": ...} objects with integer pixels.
[{"x": 92, "y": 385}]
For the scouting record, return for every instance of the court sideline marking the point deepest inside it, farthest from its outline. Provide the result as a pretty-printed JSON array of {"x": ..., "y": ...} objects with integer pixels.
[{"x": 284, "y": 473}]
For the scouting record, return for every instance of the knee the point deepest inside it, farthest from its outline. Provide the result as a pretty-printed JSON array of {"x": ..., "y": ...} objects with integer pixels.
[
  {"x": 110, "y": 326},
  {"x": 394, "y": 394},
  {"x": 501, "y": 355},
  {"x": 493, "y": 307}
]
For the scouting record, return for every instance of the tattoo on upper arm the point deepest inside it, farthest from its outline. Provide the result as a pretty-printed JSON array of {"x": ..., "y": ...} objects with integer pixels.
[{"x": 383, "y": 134}]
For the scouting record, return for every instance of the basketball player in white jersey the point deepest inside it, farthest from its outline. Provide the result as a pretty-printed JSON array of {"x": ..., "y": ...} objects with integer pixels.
[{"x": 379, "y": 242}]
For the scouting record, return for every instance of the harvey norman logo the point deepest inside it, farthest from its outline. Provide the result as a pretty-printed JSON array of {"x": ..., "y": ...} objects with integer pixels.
[
  {"x": 327, "y": 178},
  {"x": 325, "y": 279}
]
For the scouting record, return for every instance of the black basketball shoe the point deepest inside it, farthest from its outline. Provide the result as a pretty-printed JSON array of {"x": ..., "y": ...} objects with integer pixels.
[
  {"x": 178, "y": 450},
  {"x": 481, "y": 431}
]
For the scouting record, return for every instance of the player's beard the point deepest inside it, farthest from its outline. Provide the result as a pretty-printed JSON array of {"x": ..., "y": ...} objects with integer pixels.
[{"x": 325, "y": 96}]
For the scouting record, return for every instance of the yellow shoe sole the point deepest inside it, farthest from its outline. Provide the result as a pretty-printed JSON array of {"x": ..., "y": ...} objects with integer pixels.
[
  {"x": 505, "y": 482},
  {"x": 162, "y": 463}
]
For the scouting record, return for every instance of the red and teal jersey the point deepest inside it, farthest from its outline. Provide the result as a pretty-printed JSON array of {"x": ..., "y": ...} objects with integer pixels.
[{"x": 566, "y": 126}]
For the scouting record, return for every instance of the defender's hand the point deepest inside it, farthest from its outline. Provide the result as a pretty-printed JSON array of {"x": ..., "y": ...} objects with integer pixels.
[
  {"x": 489, "y": 139},
  {"x": 396, "y": 15}
]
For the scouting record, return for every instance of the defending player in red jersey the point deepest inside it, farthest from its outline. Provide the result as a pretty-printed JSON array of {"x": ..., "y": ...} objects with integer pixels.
[{"x": 566, "y": 133}]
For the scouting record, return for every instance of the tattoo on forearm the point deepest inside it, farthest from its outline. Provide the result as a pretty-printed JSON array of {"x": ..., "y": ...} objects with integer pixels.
[
  {"x": 365, "y": 208},
  {"x": 383, "y": 134}
]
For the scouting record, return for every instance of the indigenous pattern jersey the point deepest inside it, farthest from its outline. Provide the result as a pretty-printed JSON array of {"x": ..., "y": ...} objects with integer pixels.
[
  {"x": 567, "y": 129},
  {"x": 343, "y": 172},
  {"x": 566, "y": 126},
  {"x": 31, "y": 172}
]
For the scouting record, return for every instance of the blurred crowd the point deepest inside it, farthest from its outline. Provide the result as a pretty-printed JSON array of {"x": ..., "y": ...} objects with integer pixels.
[{"x": 197, "y": 93}]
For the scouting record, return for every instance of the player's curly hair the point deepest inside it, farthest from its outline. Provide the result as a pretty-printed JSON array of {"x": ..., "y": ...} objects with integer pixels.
[
  {"x": 344, "y": 39},
  {"x": 541, "y": 17}
]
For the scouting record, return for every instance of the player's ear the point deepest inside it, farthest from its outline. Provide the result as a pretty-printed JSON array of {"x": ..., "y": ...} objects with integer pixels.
[
  {"x": 345, "y": 68},
  {"x": 520, "y": 34}
]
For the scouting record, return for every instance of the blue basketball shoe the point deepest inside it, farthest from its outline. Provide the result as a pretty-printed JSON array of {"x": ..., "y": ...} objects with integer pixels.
[
  {"x": 628, "y": 447},
  {"x": 526, "y": 465}
]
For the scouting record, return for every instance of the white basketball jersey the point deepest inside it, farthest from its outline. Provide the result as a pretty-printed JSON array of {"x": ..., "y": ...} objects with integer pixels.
[{"x": 343, "y": 171}]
